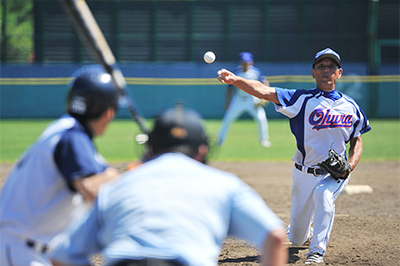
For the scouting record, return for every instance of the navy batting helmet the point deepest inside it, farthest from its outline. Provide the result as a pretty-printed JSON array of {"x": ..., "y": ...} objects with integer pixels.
[{"x": 91, "y": 93}]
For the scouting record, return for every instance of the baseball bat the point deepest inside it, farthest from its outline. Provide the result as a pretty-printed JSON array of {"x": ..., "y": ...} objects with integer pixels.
[{"x": 86, "y": 25}]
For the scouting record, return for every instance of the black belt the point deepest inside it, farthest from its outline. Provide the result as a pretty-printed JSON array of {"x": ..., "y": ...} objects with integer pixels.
[
  {"x": 314, "y": 171},
  {"x": 41, "y": 248}
]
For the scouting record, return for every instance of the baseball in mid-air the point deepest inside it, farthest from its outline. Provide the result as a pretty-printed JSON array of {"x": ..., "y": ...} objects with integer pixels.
[{"x": 209, "y": 57}]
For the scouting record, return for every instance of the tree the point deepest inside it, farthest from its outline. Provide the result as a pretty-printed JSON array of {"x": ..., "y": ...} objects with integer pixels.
[{"x": 17, "y": 31}]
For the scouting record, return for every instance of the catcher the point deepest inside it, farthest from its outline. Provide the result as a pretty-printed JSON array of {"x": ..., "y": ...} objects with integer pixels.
[{"x": 323, "y": 121}]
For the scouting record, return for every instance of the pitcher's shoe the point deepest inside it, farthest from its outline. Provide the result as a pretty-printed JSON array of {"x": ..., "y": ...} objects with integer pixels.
[{"x": 314, "y": 257}]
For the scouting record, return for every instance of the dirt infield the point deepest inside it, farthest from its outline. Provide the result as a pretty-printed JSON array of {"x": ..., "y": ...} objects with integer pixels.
[
  {"x": 367, "y": 226},
  {"x": 366, "y": 230}
]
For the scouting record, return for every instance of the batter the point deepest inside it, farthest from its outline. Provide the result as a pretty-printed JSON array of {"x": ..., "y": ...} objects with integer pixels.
[{"x": 53, "y": 180}]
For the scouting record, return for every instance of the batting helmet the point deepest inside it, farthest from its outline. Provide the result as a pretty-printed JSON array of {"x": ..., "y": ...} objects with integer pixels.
[
  {"x": 177, "y": 129},
  {"x": 91, "y": 93}
]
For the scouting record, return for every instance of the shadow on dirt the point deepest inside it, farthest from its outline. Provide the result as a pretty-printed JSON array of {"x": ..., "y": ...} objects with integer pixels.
[
  {"x": 293, "y": 251},
  {"x": 244, "y": 259}
]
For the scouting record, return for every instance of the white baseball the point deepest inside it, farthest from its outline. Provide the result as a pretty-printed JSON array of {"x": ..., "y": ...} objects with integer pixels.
[{"x": 209, "y": 57}]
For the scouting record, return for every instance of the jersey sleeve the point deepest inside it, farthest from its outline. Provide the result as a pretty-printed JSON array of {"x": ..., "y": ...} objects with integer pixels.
[
  {"x": 288, "y": 102},
  {"x": 251, "y": 219},
  {"x": 362, "y": 125},
  {"x": 261, "y": 77},
  {"x": 77, "y": 157},
  {"x": 365, "y": 126}
]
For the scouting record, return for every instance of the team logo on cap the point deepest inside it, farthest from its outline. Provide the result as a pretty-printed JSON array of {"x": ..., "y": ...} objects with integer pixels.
[
  {"x": 322, "y": 118},
  {"x": 178, "y": 132},
  {"x": 77, "y": 105}
]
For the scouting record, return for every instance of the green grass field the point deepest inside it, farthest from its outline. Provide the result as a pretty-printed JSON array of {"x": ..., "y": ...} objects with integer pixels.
[{"x": 382, "y": 143}]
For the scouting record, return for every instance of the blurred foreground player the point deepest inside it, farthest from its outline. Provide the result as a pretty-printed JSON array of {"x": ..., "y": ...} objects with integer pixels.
[
  {"x": 321, "y": 119},
  {"x": 52, "y": 181},
  {"x": 173, "y": 209}
]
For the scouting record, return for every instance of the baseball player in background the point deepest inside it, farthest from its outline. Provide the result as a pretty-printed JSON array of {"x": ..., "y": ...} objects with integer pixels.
[
  {"x": 238, "y": 102},
  {"x": 173, "y": 209},
  {"x": 321, "y": 119},
  {"x": 59, "y": 174}
]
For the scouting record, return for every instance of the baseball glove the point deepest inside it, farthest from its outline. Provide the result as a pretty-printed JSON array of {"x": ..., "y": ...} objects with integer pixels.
[{"x": 336, "y": 165}]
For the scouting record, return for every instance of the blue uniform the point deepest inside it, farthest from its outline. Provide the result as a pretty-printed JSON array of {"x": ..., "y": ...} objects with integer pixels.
[
  {"x": 38, "y": 200},
  {"x": 171, "y": 207},
  {"x": 243, "y": 102},
  {"x": 319, "y": 121}
]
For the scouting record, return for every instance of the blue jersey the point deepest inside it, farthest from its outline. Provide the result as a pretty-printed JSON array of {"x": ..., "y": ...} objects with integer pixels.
[
  {"x": 171, "y": 207},
  {"x": 320, "y": 121},
  {"x": 38, "y": 199}
]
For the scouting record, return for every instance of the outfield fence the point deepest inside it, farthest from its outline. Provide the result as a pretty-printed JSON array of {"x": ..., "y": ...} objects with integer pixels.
[{"x": 41, "y": 93}]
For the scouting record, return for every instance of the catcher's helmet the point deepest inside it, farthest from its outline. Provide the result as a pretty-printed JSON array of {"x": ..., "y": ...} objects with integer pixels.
[
  {"x": 177, "y": 127},
  {"x": 91, "y": 93}
]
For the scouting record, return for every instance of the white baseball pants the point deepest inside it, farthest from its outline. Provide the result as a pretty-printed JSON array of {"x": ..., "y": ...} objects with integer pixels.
[
  {"x": 15, "y": 252},
  {"x": 313, "y": 200}
]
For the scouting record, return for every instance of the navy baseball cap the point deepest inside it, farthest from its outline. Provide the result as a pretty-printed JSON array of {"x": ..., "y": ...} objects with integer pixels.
[
  {"x": 246, "y": 57},
  {"x": 178, "y": 126},
  {"x": 327, "y": 53}
]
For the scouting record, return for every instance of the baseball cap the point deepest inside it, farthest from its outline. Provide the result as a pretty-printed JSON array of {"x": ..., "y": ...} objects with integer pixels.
[
  {"x": 327, "y": 53},
  {"x": 246, "y": 57},
  {"x": 178, "y": 126}
]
